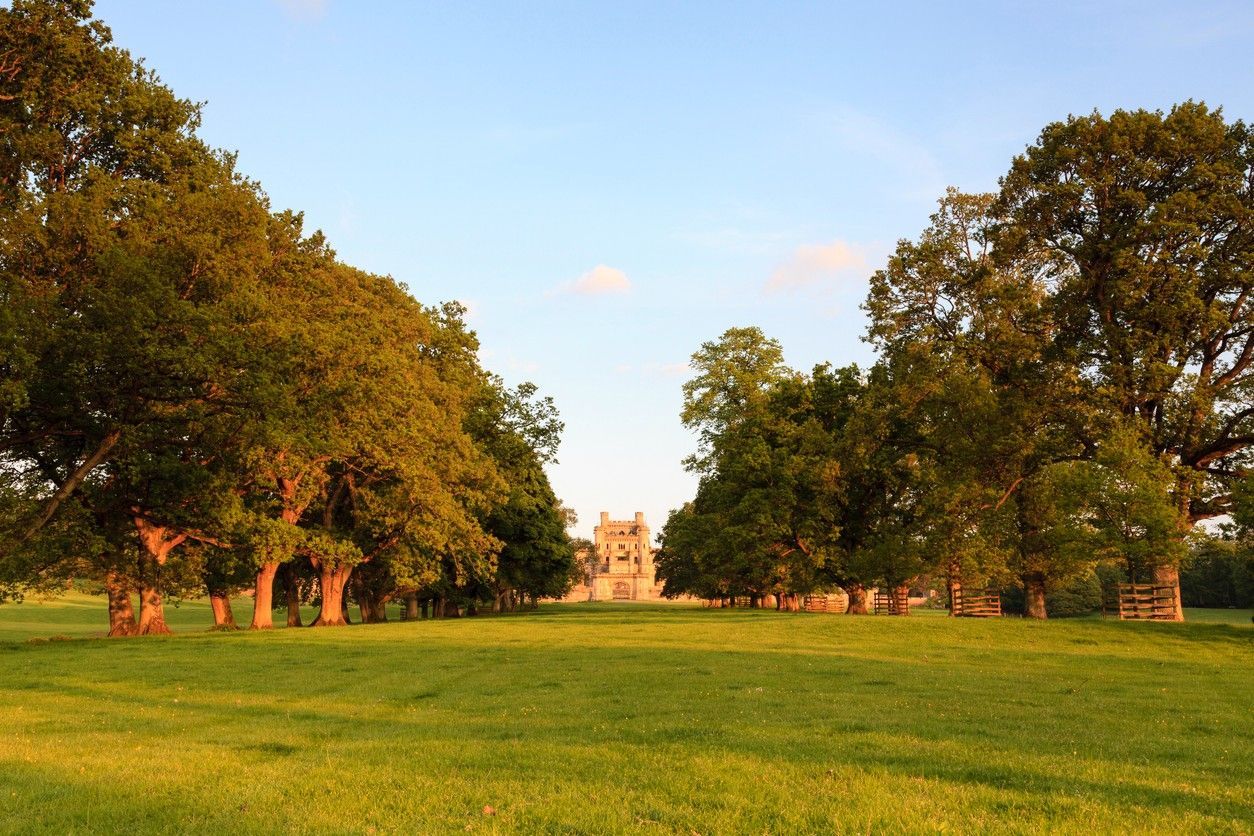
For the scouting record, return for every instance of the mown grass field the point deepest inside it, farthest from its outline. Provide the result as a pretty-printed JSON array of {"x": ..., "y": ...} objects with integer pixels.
[{"x": 651, "y": 719}]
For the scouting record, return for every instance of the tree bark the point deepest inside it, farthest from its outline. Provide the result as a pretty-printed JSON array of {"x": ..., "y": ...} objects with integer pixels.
[
  {"x": 292, "y": 589},
  {"x": 1034, "y": 597},
  {"x": 374, "y": 608},
  {"x": 121, "y": 612},
  {"x": 157, "y": 543},
  {"x": 332, "y": 579},
  {"x": 953, "y": 585},
  {"x": 411, "y": 606},
  {"x": 857, "y": 599},
  {"x": 263, "y": 597},
  {"x": 151, "y": 612},
  {"x": 1170, "y": 576},
  {"x": 223, "y": 617},
  {"x": 426, "y": 608}
]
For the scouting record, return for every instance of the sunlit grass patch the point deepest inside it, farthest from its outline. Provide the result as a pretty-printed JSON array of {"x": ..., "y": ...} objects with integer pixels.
[{"x": 631, "y": 719}]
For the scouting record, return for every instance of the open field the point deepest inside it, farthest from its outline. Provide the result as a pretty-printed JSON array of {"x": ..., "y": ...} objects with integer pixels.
[{"x": 603, "y": 718}]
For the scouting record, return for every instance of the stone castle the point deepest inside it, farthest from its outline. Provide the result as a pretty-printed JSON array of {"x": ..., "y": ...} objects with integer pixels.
[{"x": 623, "y": 568}]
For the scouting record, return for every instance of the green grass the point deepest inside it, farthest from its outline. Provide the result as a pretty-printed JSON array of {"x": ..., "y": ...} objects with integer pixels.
[{"x": 653, "y": 719}]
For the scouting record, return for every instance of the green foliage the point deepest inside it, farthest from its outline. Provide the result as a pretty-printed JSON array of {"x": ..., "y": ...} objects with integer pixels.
[
  {"x": 184, "y": 369},
  {"x": 1082, "y": 596},
  {"x": 1219, "y": 573},
  {"x": 1065, "y": 375},
  {"x": 1140, "y": 224}
]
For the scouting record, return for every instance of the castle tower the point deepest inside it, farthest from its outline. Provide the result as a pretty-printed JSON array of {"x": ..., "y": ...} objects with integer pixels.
[{"x": 625, "y": 571}]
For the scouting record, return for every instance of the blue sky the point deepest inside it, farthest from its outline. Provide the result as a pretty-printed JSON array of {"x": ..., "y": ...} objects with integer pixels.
[{"x": 606, "y": 186}]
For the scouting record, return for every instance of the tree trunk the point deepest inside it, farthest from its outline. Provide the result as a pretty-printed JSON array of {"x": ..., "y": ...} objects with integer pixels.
[
  {"x": 332, "y": 580},
  {"x": 426, "y": 608},
  {"x": 263, "y": 598},
  {"x": 157, "y": 541},
  {"x": 376, "y": 609},
  {"x": 121, "y": 612},
  {"x": 857, "y": 599},
  {"x": 411, "y": 606},
  {"x": 151, "y": 612},
  {"x": 223, "y": 618},
  {"x": 953, "y": 585},
  {"x": 292, "y": 589},
  {"x": 1034, "y": 597},
  {"x": 1170, "y": 576}
]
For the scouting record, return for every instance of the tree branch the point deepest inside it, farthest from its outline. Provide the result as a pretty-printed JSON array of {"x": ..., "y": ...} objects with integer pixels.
[{"x": 71, "y": 484}]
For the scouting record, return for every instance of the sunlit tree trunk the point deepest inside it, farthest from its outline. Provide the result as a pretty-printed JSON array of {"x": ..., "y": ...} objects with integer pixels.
[
  {"x": 332, "y": 580},
  {"x": 151, "y": 612},
  {"x": 223, "y": 617},
  {"x": 263, "y": 597},
  {"x": 1170, "y": 576},
  {"x": 157, "y": 541}
]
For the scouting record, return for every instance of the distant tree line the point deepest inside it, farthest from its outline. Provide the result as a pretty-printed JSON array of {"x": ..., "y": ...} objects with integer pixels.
[
  {"x": 197, "y": 397},
  {"x": 1065, "y": 378}
]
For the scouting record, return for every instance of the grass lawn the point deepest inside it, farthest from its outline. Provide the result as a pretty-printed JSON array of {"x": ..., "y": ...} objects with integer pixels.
[{"x": 596, "y": 718}]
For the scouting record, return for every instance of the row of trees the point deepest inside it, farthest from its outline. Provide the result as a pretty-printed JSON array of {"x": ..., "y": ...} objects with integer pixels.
[
  {"x": 197, "y": 396},
  {"x": 1065, "y": 375}
]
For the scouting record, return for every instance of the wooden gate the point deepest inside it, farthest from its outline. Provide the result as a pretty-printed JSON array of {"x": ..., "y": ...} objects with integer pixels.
[
  {"x": 983, "y": 604},
  {"x": 893, "y": 602},
  {"x": 1141, "y": 602}
]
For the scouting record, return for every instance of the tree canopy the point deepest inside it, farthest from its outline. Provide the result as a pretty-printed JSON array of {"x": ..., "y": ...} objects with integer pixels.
[
  {"x": 1064, "y": 376},
  {"x": 195, "y": 392}
]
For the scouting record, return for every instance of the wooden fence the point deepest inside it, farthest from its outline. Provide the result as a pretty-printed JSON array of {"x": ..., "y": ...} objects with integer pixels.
[
  {"x": 1141, "y": 601},
  {"x": 892, "y": 602},
  {"x": 835, "y": 602},
  {"x": 982, "y": 604}
]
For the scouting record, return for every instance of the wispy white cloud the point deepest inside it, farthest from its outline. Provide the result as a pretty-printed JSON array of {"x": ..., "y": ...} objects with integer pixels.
[
  {"x": 655, "y": 369},
  {"x": 673, "y": 369},
  {"x": 815, "y": 265},
  {"x": 520, "y": 365},
  {"x": 304, "y": 11},
  {"x": 598, "y": 281}
]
